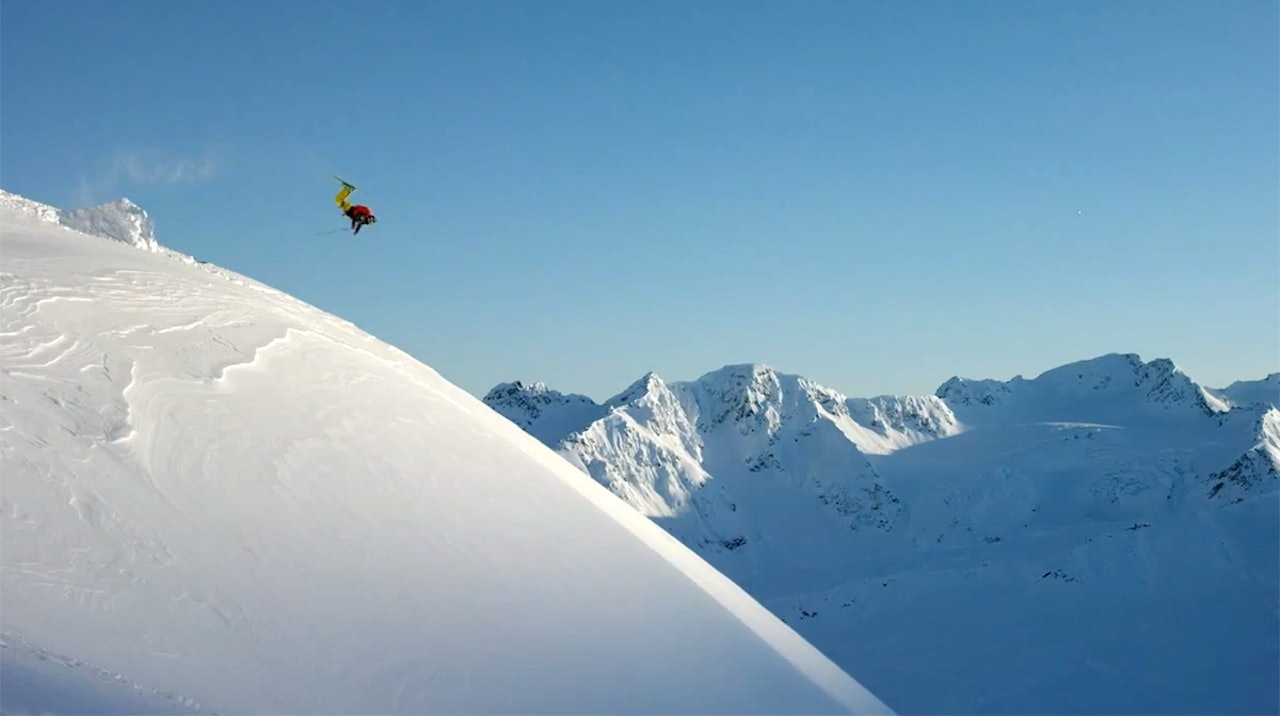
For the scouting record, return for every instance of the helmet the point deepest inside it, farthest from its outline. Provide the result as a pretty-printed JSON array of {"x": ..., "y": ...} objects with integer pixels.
[{"x": 372, "y": 219}]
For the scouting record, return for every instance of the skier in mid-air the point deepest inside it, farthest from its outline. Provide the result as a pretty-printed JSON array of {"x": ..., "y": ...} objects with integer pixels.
[{"x": 358, "y": 213}]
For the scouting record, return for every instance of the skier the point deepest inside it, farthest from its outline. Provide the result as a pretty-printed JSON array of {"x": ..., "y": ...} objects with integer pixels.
[{"x": 358, "y": 213}]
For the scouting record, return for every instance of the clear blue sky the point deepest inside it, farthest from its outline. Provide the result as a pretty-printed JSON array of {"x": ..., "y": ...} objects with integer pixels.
[{"x": 876, "y": 195}]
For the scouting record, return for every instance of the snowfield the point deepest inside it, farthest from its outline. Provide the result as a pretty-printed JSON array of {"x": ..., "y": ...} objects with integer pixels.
[
  {"x": 217, "y": 498},
  {"x": 1103, "y": 538}
]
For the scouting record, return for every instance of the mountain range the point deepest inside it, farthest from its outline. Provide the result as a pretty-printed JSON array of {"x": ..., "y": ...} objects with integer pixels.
[{"x": 1100, "y": 538}]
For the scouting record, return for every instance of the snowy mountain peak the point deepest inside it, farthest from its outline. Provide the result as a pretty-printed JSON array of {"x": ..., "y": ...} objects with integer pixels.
[
  {"x": 1111, "y": 386},
  {"x": 541, "y": 411},
  {"x": 741, "y": 374},
  {"x": 648, "y": 385},
  {"x": 1105, "y": 372},
  {"x": 519, "y": 387},
  {"x": 749, "y": 394},
  {"x": 959, "y": 391},
  {"x": 527, "y": 394},
  {"x": 1165, "y": 384},
  {"x": 1251, "y": 393},
  {"x": 1158, "y": 382}
]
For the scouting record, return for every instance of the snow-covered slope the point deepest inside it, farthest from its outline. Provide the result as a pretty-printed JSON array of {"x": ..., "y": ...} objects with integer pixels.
[
  {"x": 218, "y": 498},
  {"x": 1099, "y": 539}
]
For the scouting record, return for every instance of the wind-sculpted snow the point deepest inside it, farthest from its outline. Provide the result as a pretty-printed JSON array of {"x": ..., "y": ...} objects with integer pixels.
[
  {"x": 13, "y": 206},
  {"x": 120, "y": 220},
  {"x": 1099, "y": 539},
  {"x": 219, "y": 499}
]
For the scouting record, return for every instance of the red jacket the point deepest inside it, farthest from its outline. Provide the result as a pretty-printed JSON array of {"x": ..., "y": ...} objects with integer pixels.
[{"x": 359, "y": 210}]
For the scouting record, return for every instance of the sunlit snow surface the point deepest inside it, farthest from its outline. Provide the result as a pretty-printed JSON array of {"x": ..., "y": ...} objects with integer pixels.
[{"x": 217, "y": 498}]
